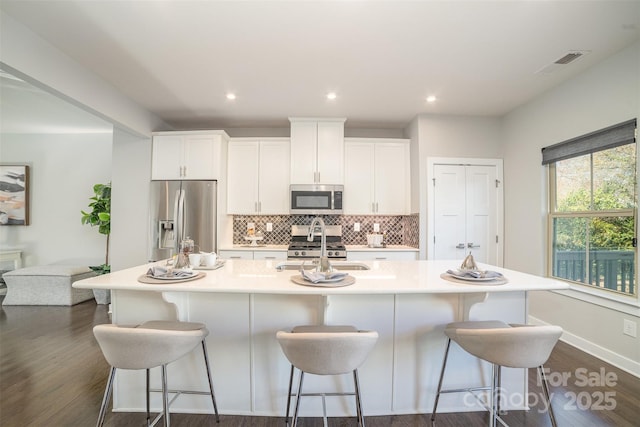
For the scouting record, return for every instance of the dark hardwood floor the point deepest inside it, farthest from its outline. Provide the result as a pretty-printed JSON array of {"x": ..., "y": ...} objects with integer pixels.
[{"x": 52, "y": 373}]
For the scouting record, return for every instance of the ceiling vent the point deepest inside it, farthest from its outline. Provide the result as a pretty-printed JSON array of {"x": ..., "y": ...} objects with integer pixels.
[
  {"x": 569, "y": 57},
  {"x": 565, "y": 60}
]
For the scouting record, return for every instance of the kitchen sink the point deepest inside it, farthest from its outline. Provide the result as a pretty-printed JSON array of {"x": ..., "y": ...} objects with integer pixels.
[{"x": 338, "y": 265}]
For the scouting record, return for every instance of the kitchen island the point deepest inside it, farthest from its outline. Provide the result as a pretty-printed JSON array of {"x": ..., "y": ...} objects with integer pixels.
[{"x": 246, "y": 302}]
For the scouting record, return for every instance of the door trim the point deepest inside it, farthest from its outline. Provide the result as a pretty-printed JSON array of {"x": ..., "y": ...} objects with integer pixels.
[{"x": 465, "y": 161}]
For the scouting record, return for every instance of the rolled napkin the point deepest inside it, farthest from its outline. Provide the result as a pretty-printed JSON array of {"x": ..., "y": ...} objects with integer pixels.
[
  {"x": 476, "y": 274},
  {"x": 158, "y": 271},
  {"x": 318, "y": 277}
]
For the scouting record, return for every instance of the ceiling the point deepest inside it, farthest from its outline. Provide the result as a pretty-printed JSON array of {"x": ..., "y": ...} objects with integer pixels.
[{"x": 179, "y": 59}]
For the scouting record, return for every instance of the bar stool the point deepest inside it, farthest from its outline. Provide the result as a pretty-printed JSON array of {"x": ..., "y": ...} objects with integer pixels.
[
  {"x": 325, "y": 350},
  {"x": 149, "y": 345},
  {"x": 501, "y": 344}
]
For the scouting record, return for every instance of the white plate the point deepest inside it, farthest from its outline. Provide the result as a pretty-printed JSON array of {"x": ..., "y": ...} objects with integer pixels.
[{"x": 173, "y": 277}]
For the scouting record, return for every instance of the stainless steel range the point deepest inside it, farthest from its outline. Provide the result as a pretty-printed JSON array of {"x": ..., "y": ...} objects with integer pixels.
[{"x": 300, "y": 248}]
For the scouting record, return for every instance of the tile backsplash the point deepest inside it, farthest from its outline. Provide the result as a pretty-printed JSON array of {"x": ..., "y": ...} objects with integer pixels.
[{"x": 400, "y": 230}]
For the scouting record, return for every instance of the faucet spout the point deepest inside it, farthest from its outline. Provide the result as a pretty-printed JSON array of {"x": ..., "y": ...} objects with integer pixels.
[{"x": 323, "y": 265}]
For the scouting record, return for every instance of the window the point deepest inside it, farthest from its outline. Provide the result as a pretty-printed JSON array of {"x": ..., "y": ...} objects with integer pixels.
[{"x": 592, "y": 209}]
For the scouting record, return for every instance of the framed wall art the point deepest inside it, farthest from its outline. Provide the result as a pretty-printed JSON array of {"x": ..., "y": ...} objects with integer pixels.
[{"x": 14, "y": 194}]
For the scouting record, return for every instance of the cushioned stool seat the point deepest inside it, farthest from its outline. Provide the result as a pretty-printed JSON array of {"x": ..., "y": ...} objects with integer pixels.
[
  {"x": 325, "y": 350},
  {"x": 46, "y": 285},
  {"x": 155, "y": 343},
  {"x": 501, "y": 344}
]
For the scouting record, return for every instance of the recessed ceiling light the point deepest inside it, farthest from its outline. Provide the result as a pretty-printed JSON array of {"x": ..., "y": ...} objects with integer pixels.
[
  {"x": 231, "y": 96},
  {"x": 431, "y": 98},
  {"x": 332, "y": 95}
]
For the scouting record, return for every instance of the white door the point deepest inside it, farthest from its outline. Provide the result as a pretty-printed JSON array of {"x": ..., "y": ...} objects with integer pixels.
[{"x": 466, "y": 217}]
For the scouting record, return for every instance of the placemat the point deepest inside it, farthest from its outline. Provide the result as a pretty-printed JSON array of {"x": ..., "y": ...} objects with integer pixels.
[
  {"x": 298, "y": 279},
  {"x": 497, "y": 281},
  {"x": 150, "y": 280}
]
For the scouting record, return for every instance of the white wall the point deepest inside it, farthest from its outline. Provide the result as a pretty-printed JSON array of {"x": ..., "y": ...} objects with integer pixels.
[
  {"x": 446, "y": 136},
  {"x": 130, "y": 199},
  {"x": 63, "y": 168},
  {"x": 38, "y": 62},
  {"x": 606, "y": 94}
]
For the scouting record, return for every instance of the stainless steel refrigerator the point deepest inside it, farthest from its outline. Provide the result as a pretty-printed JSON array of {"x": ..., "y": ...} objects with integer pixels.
[{"x": 181, "y": 209}]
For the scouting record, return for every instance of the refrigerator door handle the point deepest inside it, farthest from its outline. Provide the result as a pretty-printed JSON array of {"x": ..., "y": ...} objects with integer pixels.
[{"x": 178, "y": 215}]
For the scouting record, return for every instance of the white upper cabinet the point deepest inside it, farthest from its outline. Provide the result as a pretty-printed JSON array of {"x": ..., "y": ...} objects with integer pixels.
[
  {"x": 187, "y": 155},
  {"x": 258, "y": 176},
  {"x": 376, "y": 179},
  {"x": 317, "y": 151}
]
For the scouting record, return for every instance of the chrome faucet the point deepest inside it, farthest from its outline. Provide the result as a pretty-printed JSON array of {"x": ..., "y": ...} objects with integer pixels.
[{"x": 323, "y": 264}]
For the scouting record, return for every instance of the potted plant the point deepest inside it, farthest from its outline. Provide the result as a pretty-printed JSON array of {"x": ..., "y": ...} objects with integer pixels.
[{"x": 100, "y": 216}]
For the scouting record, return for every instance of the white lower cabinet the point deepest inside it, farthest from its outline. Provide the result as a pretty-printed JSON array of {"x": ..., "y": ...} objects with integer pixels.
[
  {"x": 258, "y": 254},
  {"x": 235, "y": 254},
  {"x": 381, "y": 255},
  {"x": 270, "y": 255}
]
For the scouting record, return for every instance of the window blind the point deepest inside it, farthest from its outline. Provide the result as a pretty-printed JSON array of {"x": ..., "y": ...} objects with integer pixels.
[{"x": 603, "y": 139}]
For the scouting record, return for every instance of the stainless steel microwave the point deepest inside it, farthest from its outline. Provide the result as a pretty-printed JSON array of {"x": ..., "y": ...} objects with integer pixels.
[{"x": 316, "y": 199}]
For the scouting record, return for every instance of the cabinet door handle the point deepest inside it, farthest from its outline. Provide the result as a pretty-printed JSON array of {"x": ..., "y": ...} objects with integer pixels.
[
  {"x": 235, "y": 257},
  {"x": 460, "y": 246},
  {"x": 471, "y": 245},
  {"x": 381, "y": 257}
]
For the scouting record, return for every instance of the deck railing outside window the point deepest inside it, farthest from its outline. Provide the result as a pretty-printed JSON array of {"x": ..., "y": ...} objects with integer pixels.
[{"x": 613, "y": 270}]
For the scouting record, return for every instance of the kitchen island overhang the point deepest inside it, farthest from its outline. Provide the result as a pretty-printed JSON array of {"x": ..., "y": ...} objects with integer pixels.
[
  {"x": 246, "y": 302},
  {"x": 383, "y": 277}
]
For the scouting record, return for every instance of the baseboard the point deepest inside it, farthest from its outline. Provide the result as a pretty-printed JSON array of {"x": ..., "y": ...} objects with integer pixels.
[{"x": 595, "y": 350}]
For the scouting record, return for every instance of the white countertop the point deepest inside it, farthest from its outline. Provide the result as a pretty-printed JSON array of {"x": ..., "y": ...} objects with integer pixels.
[{"x": 384, "y": 277}]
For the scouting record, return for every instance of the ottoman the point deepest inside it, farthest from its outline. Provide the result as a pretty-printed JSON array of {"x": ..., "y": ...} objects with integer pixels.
[{"x": 46, "y": 285}]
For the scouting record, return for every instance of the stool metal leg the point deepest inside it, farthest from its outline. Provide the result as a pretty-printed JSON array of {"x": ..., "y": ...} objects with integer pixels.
[
  {"x": 286, "y": 417},
  {"x": 545, "y": 389},
  {"x": 148, "y": 397},
  {"x": 213, "y": 396},
  {"x": 106, "y": 397},
  {"x": 493, "y": 397},
  {"x": 298, "y": 394},
  {"x": 499, "y": 389},
  {"x": 165, "y": 396},
  {"x": 444, "y": 365},
  {"x": 356, "y": 383}
]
